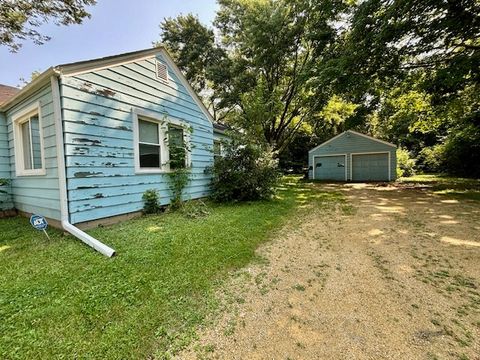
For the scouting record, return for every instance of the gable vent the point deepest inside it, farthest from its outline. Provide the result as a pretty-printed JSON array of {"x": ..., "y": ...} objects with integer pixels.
[{"x": 161, "y": 71}]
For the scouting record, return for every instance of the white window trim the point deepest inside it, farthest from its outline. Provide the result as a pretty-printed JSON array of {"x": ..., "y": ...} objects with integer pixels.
[
  {"x": 18, "y": 119},
  {"x": 327, "y": 155},
  {"x": 222, "y": 148},
  {"x": 163, "y": 121}
]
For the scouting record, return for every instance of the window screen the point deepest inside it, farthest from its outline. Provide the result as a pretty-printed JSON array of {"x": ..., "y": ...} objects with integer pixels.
[
  {"x": 149, "y": 144},
  {"x": 31, "y": 144},
  {"x": 176, "y": 147}
]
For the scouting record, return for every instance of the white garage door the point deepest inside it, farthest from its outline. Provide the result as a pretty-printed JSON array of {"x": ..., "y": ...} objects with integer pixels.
[
  {"x": 330, "y": 167},
  {"x": 370, "y": 167}
]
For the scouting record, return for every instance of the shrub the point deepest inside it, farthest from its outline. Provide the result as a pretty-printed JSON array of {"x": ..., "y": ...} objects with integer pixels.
[
  {"x": 458, "y": 154},
  {"x": 3, "y": 184},
  {"x": 179, "y": 175},
  {"x": 461, "y": 152},
  {"x": 430, "y": 158},
  {"x": 405, "y": 164},
  {"x": 151, "y": 203},
  {"x": 245, "y": 172}
]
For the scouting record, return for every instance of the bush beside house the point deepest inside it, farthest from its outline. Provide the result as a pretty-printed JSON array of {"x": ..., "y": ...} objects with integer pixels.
[{"x": 244, "y": 172}]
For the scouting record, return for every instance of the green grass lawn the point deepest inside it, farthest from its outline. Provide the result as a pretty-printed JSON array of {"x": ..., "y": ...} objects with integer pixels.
[
  {"x": 460, "y": 188},
  {"x": 60, "y": 299}
]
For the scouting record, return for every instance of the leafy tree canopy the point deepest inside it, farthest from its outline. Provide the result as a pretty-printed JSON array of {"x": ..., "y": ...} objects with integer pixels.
[
  {"x": 263, "y": 71},
  {"x": 20, "y": 19},
  {"x": 292, "y": 73}
]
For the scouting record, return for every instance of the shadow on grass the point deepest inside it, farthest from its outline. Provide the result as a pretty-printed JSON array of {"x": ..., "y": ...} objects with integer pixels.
[
  {"x": 305, "y": 193},
  {"x": 459, "y": 188},
  {"x": 59, "y": 298}
]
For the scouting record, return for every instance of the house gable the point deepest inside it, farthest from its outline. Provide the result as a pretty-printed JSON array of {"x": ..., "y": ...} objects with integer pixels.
[
  {"x": 98, "y": 108},
  {"x": 134, "y": 57}
]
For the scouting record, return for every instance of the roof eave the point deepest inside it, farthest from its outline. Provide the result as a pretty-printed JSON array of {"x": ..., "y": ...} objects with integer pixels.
[
  {"x": 108, "y": 61},
  {"x": 89, "y": 65},
  {"x": 36, "y": 84},
  {"x": 352, "y": 132},
  {"x": 72, "y": 68}
]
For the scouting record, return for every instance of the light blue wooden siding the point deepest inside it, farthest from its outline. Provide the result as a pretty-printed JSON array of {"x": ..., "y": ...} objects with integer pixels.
[
  {"x": 5, "y": 198},
  {"x": 349, "y": 143},
  {"x": 98, "y": 130},
  {"x": 37, "y": 194},
  {"x": 220, "y": 136}
]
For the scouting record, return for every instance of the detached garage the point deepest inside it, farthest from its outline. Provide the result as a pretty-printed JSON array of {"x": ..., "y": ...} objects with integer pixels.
[{"x": 351, "y": 156}]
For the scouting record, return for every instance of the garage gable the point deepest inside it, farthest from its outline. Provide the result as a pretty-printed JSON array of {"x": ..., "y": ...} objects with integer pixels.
[
  {"x": 365, "y": 159},
  {"x": 352, "y": 140}
]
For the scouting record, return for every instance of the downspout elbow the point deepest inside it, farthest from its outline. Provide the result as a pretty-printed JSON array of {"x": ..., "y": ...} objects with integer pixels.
[{"x": 87, "y": 239}]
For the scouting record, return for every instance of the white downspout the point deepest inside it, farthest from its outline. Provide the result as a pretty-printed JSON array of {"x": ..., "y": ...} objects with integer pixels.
[{"x": 87, "y": 239}]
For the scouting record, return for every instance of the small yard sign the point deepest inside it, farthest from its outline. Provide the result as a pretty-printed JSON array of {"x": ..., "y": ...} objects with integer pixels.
[{"x": 39, "y": 223}]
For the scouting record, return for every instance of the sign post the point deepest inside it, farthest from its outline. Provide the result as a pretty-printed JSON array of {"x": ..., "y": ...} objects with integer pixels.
[{"x": 39, "y": 223}]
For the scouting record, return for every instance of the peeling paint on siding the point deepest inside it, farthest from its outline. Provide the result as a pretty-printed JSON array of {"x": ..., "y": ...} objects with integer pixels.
[
  {"x": 83, "y": 174},
  {"x": 105, "y": 92},
  {"x": 98, "y": 105},
  {"x": 86, "y": 140}
]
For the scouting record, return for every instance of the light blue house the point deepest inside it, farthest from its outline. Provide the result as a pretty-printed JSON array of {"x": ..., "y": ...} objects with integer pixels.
[
  {"x": 352, "y": 156},
  {"x": 83, "y": 141}
]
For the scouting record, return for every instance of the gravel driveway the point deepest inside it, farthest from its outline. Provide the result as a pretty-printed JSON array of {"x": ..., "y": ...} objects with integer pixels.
[{"x": 396, "y": 275}]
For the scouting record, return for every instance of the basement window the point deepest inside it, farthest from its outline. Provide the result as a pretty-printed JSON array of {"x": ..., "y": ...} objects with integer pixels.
[{"x": 28, "y": 142}]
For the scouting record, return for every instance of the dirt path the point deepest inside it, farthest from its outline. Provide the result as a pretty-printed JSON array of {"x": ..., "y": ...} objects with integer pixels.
[{"x": 395, "y": 276}]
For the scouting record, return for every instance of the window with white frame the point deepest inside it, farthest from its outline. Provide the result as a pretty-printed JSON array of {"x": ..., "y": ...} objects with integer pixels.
[
  {"x": 150, "y": 139},
  {"x": 217, "y": 149},
  {"x": 28, "y": 143},
  {"x": 161, "y": 145},
  {"x": 176, "y": 147}
]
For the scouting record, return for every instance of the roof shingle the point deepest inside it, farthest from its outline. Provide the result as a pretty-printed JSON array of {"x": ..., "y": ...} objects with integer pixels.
[{"x": 6, "y": 92}]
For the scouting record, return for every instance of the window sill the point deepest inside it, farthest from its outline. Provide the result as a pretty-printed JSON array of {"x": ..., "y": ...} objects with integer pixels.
[
  {"x": 151, "y": 171},
  {"x": 38, "y": 172}
]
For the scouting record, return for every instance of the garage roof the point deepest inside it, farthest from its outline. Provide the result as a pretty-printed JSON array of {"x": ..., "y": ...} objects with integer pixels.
[{"x": 356, "y": 133}]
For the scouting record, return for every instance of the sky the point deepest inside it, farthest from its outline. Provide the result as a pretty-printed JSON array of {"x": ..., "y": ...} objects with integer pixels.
[{"x": 116, "y": 26}]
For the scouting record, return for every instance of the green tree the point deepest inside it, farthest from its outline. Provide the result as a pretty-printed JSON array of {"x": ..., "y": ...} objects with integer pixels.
[
  {"x": 191, "y": 44},
  {"x": 410, "y": 64},
  {"x": 193, "y": 47},
  {"x": 20, "y": 19},
  {"x": 389, "y": 39},
  {"x": 336, "y": 113},
  {"x": 261, "y": 74},
  {"x": 406, "y": 117},
  {"x": 274, "y": 46}
]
